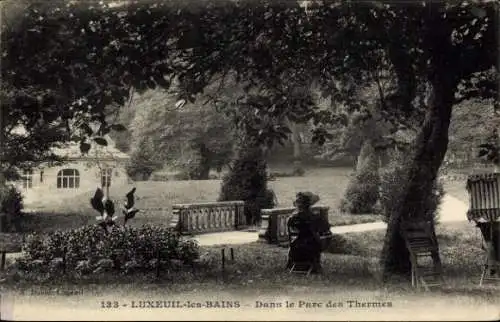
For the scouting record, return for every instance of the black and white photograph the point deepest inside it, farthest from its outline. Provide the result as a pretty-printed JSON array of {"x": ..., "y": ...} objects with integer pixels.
[{"x": 249, "y": 160}]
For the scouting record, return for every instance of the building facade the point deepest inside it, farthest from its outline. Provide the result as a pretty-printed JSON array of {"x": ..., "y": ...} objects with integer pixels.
[{"x": 103, "y": 166}]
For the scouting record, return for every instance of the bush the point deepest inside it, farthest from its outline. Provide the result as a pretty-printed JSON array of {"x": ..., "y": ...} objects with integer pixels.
[
  {"x": 247, "y": 181},
  {"x": 85, "y": 248},
  {"x": 11, "y": 204},
  {"x": 393, "y": 184},
  {"x": 188, "y": 251},
  {"x": 143, "y": 161},
  {"x": 362, "y": 192}
]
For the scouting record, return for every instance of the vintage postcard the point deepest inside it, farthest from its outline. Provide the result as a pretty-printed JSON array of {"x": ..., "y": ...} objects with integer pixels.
[{"x": 249, "y": 160}]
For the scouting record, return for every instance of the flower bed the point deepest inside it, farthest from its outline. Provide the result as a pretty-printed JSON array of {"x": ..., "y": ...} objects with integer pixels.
[{"x": 90, "y": 249}]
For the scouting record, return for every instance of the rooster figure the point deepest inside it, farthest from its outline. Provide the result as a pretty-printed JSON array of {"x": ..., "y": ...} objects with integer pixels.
[{"x": 129, "y": 210}]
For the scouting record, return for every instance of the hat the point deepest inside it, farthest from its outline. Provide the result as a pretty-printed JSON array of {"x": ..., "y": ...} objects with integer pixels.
[{"x": 306, "y": 198}]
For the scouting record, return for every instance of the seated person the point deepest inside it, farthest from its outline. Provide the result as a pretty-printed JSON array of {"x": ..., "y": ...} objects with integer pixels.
[{"x": 305, "y": 242}]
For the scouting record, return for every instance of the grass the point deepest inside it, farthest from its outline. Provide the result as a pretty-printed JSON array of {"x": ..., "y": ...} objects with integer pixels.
[
  {"x": 157, "y": 199},
  {"x": 329, "y": 183},
  {"x": 351, "y": 264}
]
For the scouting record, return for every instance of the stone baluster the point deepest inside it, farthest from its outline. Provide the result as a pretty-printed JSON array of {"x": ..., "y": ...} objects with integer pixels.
[{"x": 208, "y": 217}]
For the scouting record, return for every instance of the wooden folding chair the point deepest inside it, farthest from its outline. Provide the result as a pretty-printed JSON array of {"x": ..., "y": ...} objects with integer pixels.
[
  {"x": 491, "y": 242},
  {"x": 422, "y": 245},
  {"x": 484, "y": 210}
]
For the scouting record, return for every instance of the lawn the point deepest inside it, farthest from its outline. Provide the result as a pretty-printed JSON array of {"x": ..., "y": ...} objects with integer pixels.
[
  {"x": 459, "y": 242},
  {"x": 157, "y": 198},
  {"x": 352, "y": 260},
  {"x": 351, "y": 265},
  {"x": 351, "y": 270}
]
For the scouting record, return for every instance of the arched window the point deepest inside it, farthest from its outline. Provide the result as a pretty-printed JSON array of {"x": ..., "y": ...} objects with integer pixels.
[
  {"x": 27, "y": 178},
  {"x": 68, "y": 179},
  {"x": 106, "y": 177}
]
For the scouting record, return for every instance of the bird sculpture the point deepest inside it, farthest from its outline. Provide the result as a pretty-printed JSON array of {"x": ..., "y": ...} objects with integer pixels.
[
  {"x": 106, "y": 209},
  {"x": 129, "y": 211}
]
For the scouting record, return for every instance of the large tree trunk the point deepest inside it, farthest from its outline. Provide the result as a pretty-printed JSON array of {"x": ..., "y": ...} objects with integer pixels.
[
  {"x": 429, "y": 152},
  {"x": 497, "y": 101},
  {"x": 2, "y": 139},
  {"x": 205, "y": 163},
  {"x": 297, "y": 149},
  {"x": 2, "y": 177}
]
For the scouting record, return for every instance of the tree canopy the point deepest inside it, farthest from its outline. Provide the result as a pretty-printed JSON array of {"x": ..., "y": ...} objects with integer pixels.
[{"x": 87, "y": 55}]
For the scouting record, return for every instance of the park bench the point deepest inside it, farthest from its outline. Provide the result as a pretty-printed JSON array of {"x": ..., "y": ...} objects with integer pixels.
[
  {"x": 208, "y": 217},
  {"x": 484, "y": 210},
  {"x": 273, "y": 229}
]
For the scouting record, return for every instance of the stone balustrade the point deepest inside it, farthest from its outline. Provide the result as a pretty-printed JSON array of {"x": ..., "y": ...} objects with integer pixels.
[
  {"x": 210, "y": 217},
  {"x": 274, "y": 230}
]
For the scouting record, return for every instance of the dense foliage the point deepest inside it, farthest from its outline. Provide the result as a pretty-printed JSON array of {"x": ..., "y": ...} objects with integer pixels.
[
  {"x": 193, "y": 138},
  {"x": 393, "y": 181},
  {"x": 89, "y": 248},
  {"x": 86, "y": 55},
  {"x": 247, "y": 181},
  {"x": 471, "y": 124},
  {"x": 11, "y": 205},
  {"x": 362, "y": 192},
  {"x": 143, "y": 160}
]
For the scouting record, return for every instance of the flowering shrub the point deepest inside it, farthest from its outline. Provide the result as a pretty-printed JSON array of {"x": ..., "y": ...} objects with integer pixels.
[{"x": 90, "y": 247}]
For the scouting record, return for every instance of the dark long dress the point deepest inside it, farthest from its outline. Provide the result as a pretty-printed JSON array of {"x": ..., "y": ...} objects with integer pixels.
[{"x": 305, "y": 245}]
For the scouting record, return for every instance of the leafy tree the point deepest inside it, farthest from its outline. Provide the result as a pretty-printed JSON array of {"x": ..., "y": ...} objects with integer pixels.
[
  {"x": 89, "y": 55},
  {"x": 144, "y": 160},
  {"x": 247, "y": 181},
  {"x": 452, "y": 50},
  {"x": 471, "y": 124},
  {"x": 193, "y": 137}
]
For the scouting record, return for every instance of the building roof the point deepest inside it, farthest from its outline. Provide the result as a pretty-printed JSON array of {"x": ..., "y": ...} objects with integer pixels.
[{"x": 72, "y": 151}]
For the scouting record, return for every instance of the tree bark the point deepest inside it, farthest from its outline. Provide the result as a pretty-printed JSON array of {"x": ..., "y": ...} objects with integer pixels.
[
  {"x": 2, "y": 143},
  {"x": 497, "y": 101},
  {"x": 429, "y": 152},
  {"x": 297, "y": 149},
  {"x": 2, "y": 176},
  {"x": 205, "y": 163}
]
